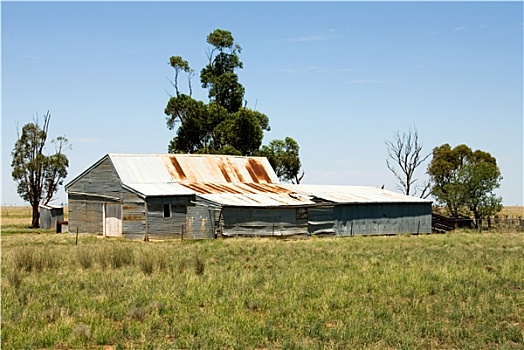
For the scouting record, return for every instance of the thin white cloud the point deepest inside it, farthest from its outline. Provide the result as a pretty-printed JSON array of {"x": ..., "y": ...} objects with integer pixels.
[{"x": 459, "y": 29}]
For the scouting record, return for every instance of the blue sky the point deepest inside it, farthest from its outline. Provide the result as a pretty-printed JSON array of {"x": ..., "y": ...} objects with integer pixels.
[{"x": 339, "y": 77}]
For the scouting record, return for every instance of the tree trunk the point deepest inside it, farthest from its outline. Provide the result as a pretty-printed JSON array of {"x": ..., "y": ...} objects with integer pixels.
[
  {"x": 477, "y": 219},
  {"x": 35, "y": 223}
]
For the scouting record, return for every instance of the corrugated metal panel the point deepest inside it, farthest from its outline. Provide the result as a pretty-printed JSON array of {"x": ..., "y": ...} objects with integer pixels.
[
  {"x": 49, "y": 215},
  {"x": 201, "y": 222},
  {"x": 160, "y": 189},
  {"x": 352, "y": 194},
  {"x": 382, "y": 219},
  {"x": 255, "y": 200},
  {"x": 321, "y": 220},
  {"x": 218, "y": 169},
  {"x": 140, "y": 169},
  {"x": 262, "y": 222},
  {"x": 167, "y": 168}
]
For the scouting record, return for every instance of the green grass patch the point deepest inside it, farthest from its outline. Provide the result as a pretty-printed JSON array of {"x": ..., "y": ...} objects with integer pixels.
[{"x": 463, "y": 291}]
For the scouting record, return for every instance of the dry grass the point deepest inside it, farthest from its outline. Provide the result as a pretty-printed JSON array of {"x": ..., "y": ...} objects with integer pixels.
[
  {"x": 453, "y": 291},
  {"x": 19, "y": 215},
  {"x": 512, "y": 211}
]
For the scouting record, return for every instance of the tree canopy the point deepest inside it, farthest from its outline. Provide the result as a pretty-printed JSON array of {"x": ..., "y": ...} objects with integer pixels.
[
  {"x": 283, "y": 157},
  {"x": 224, "y": 125},
  {"x": 38, "y": 175},
  {"x": 464, "y": 180}
]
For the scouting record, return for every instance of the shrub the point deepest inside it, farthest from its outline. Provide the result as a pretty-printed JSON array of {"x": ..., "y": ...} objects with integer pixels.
[
  {"x": 200, "y": 266},
  {"x": 120, "y": 256},
  {"x": 24, "y": 258},
  {"x": 84, "y": 258},
  {"x": 146, "y": 262},
  {"x": 14, "y": 277}
]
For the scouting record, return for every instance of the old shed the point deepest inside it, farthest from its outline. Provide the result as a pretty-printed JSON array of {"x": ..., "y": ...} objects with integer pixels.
[
  {"x": 204, "y": 196},
  {"x": 50, "y": 215}
]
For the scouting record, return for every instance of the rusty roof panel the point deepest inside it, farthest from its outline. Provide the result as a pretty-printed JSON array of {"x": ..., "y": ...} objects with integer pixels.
[
  {"x": 185, "y": 168},
  {"x": 219, "y": 169},
  {"x": 160, "y": 190}
]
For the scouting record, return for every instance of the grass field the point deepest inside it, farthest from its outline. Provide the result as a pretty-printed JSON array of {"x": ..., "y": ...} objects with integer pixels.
[{"x": 452, "y": 291}]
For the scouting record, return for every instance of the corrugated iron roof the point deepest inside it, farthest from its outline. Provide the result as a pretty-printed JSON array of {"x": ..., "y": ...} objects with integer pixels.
[
  {"x": 159, "y": 190},
  {"x": 232, "y": 181},
  {"x": 352, "y": 194},
  {"x": 225, "y": 180},
  {"x": 185, "y": 168}
]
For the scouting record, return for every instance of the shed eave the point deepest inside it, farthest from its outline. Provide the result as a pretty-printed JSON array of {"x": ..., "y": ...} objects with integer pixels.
[{"x": 94, "y": 195}]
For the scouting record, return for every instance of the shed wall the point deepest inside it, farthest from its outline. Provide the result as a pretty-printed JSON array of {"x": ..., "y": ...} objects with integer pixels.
[
  {"x": 49, "y": 216},
  {"x": 87, "y": 195},
  {"x": 101, "y": 180},
  {"x": 85, "y": 214},
  {"x": 133, "y": 215},
  {"x": 321, "y": 220},
  {"x": 201, "y": 222},
  {"x": 160, "y": 227},
  {"x": 263, "y": 221},
  {"x": 382, "y": 218}
]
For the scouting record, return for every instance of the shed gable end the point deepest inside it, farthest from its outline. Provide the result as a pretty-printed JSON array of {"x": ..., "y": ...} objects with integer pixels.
[{"x": 101, "y": 179}]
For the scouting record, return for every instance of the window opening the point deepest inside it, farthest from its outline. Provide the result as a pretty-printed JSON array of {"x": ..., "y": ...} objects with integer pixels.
[{"x": 167, "y": 210}]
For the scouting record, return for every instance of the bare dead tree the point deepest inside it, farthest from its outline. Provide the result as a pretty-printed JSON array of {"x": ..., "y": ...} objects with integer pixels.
[{"x": 404, "y": 157}]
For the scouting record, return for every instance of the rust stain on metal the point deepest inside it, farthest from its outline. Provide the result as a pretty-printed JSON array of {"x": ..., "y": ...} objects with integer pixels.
[
  {"x": 265, "y": 188},
  {"x": 257, "y": 171},
  {"x": 237, "y": 172},
  {"x": 225, "y": 171},
  {"x": 179, "y": 171},
  {"x": 198, "y": 188},
  {"x": 207, "y": 188},
  {"x": 133, "y": 218}
]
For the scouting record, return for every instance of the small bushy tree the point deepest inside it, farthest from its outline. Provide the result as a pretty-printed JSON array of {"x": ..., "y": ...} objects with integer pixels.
[
  {"x": 38, "y": 175},
  {"x": 284, "y": 158},
  {"x": 465, "y": 180}
]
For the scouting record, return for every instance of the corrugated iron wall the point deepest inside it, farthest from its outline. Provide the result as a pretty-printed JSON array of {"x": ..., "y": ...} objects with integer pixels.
[
  {"x": 49, "y": 216},
  {"x": 382, "y": 219},
  {"x": 321, "y": 220},
  {"x": 263, "y": 221},
  {"x": 133, "y": 215},
  {"x": 201, "y": 222},
  {"x": 160, "y": 227},
  {"x": 340, "y": 220},
  {"x": 85, "y": 215},
  {"x": 86, "y": 211}
]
